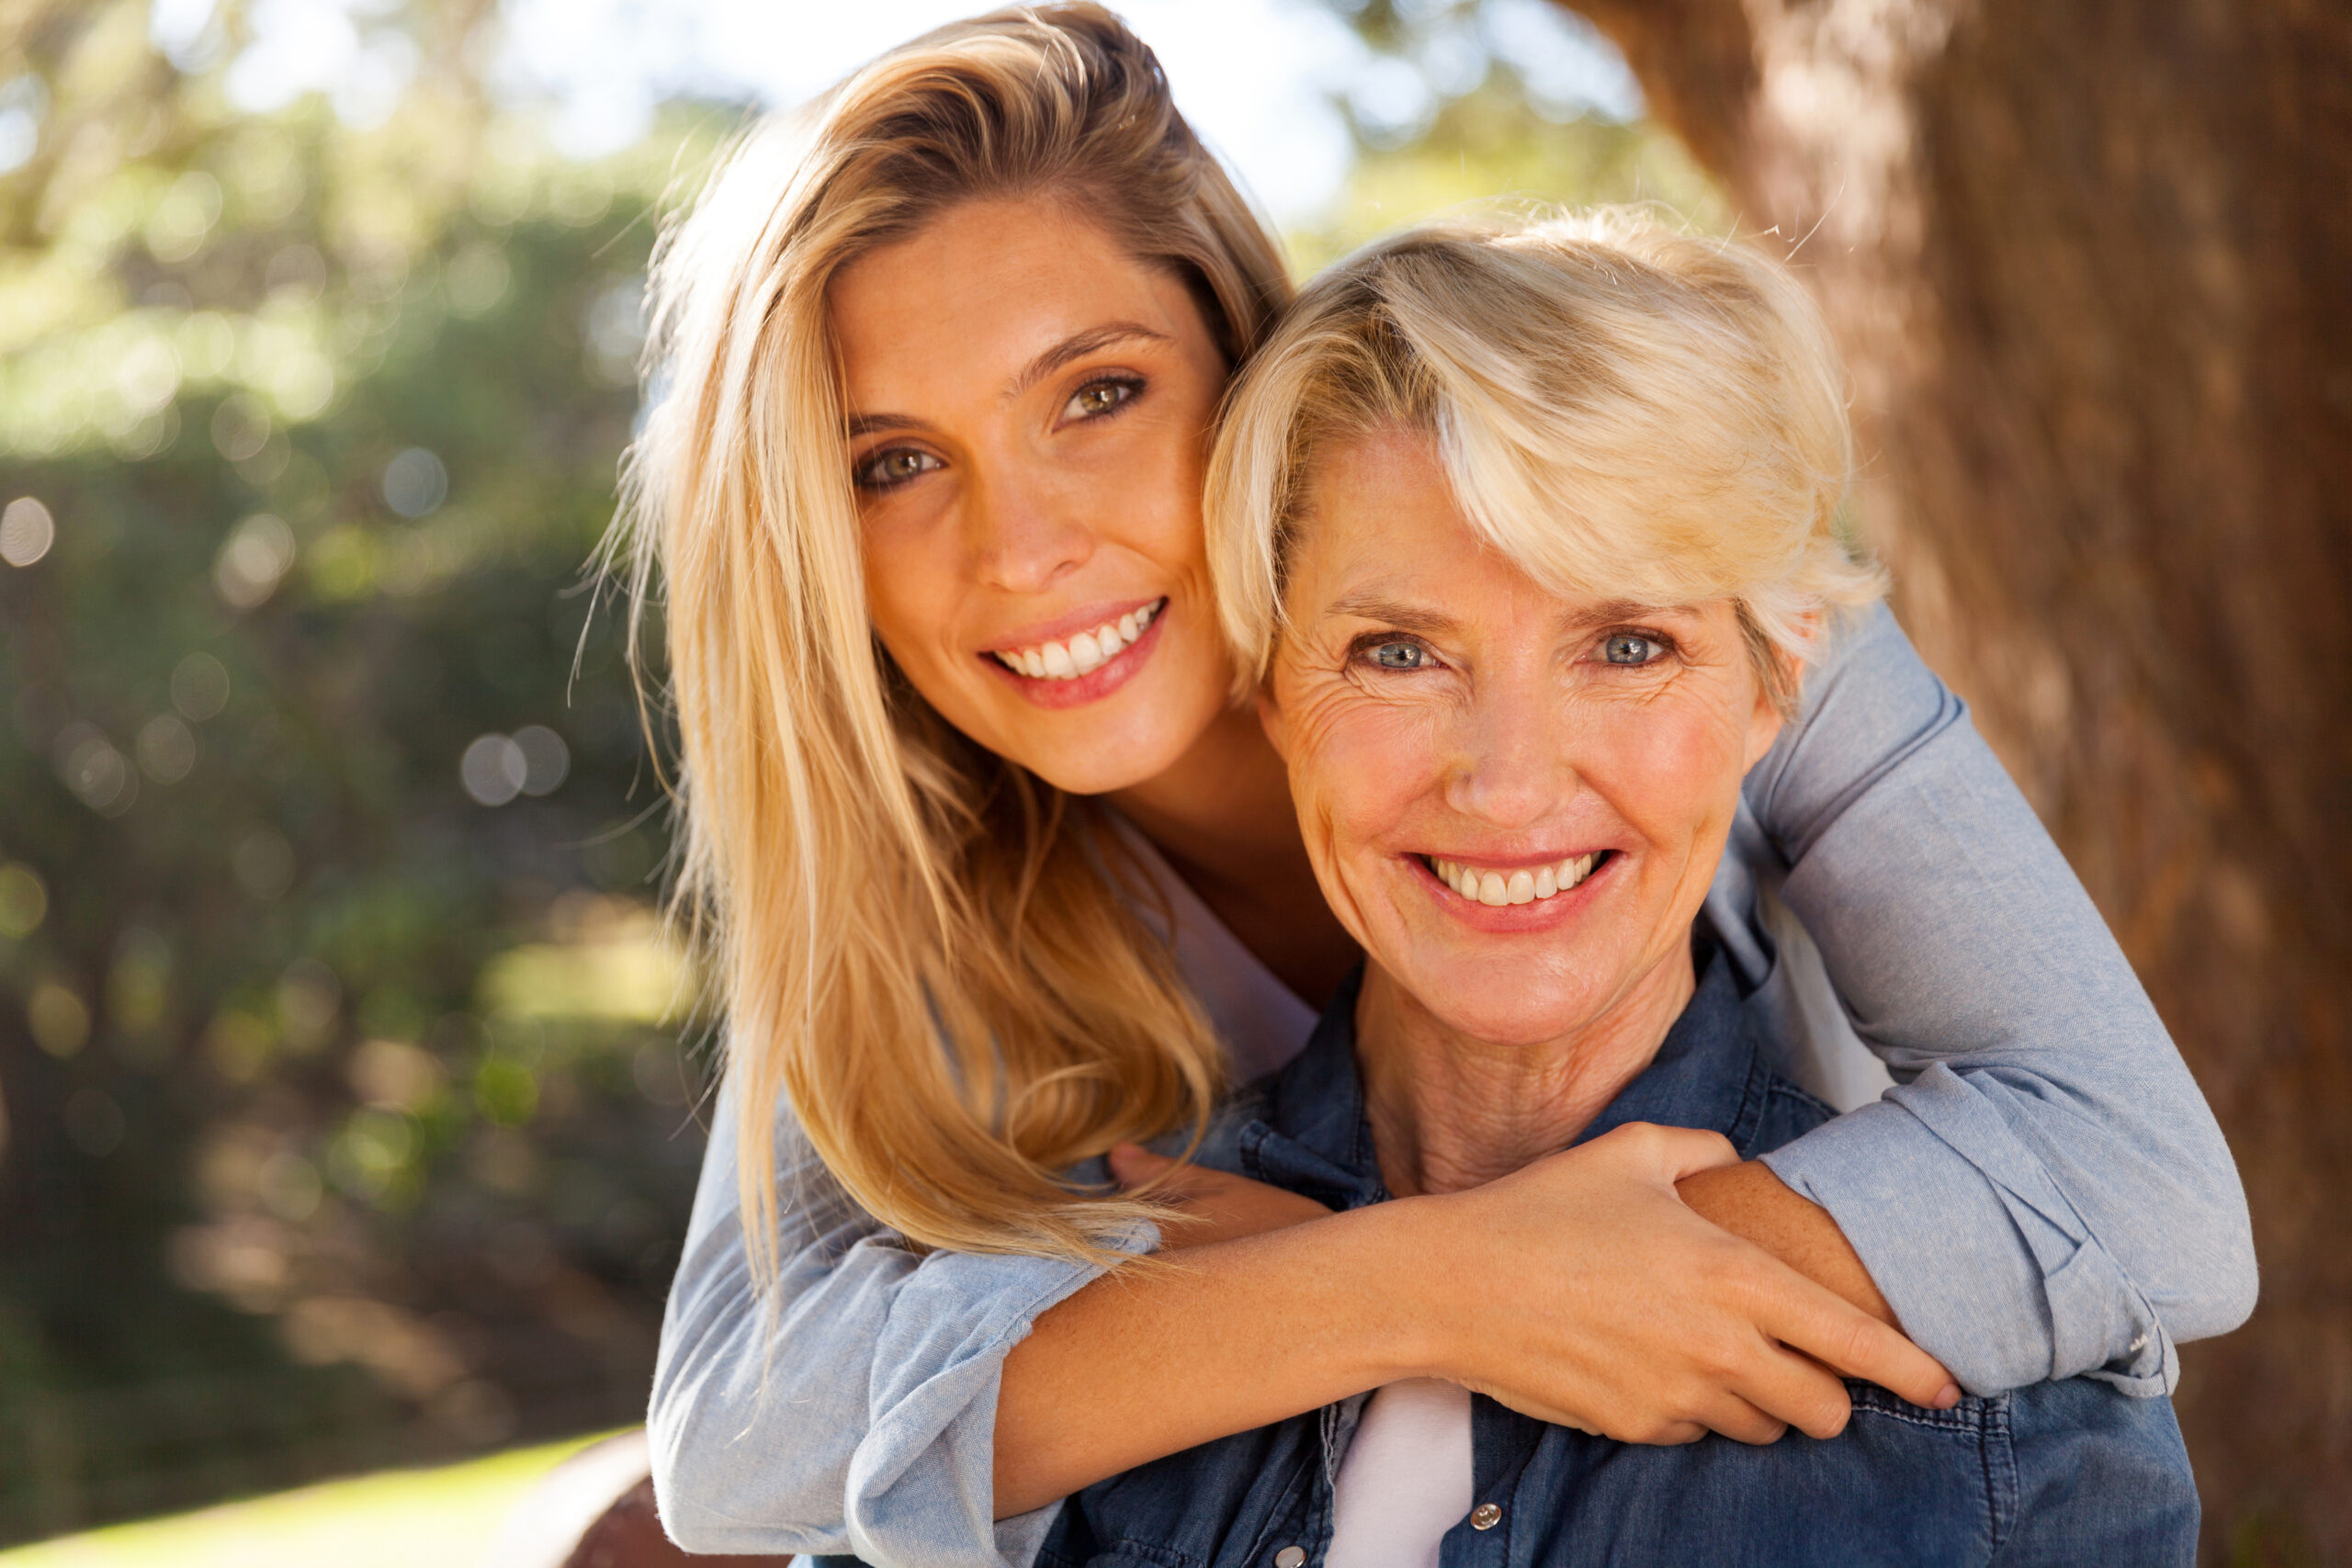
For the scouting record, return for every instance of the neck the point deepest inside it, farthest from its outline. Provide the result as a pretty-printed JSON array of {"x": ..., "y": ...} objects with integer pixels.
[
  {"x": 1450, "y": 1112},
  {"x": 1221, "y": 818},
  {"x": 1223, "y": 808}
]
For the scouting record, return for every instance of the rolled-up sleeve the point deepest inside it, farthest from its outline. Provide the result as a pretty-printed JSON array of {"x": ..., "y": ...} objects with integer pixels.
[
  {"x": 2044, "y": 1193},
  {"x": 854, "y": 1410}
]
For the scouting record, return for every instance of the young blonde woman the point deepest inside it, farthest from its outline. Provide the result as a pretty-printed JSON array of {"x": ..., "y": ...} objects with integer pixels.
[{"x": 998, "y": 877}]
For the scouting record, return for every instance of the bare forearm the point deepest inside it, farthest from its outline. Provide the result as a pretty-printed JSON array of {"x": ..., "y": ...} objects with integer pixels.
[
  {"x": 1212, "y": 1340},
  {"x": 1597, "y": 1292},
  {"x": 1751, "y": 1202}
]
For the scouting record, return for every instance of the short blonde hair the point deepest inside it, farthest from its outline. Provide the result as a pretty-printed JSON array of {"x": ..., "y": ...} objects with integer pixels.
[{"x": 1622, "y": 407}]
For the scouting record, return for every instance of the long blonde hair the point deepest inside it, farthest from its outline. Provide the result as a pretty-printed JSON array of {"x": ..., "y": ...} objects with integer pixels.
[
  {"x": 1621, "y": 408},
  {"x": 932, "y": 954}
]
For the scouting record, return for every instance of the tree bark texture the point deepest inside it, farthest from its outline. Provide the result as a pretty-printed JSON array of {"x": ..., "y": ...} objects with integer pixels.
[{"x": 2090, "y": 262}]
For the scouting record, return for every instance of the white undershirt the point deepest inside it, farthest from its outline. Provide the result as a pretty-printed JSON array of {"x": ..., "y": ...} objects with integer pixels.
[{"x": 1406, "y": 1479}]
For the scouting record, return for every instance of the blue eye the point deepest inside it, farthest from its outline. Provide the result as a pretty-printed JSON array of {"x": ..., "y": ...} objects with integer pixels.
[
  {"x": 1624, "y": 647},
  {"x": 1399, "y": 656}
]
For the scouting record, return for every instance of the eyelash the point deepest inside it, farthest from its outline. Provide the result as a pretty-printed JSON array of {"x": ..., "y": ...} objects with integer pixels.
[
  {"x": 1132, "y": 386},
  {"x": 1364, "y": 649},
  {"x": 1664, "y": 644},
  {"x": 864, "y": 476}
]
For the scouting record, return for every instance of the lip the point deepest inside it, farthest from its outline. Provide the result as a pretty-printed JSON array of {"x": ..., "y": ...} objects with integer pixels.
[
  {"x": 1096, "y": 684},
  {"x": 1511, "y": 920},
  {"x": 1085, "y": 618}
]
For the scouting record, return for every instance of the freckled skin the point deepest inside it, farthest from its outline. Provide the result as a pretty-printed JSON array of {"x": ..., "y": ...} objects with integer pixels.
[
  {"x": 1519, "y": 738},
  {"x": 1030, "y": 505}
]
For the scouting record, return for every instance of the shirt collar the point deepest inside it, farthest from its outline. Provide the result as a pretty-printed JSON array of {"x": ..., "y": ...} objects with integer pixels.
[{"x": 1311, "y": 1133}]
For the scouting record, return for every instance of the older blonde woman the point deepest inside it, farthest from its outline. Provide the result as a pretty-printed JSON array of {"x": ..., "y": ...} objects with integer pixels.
[
  {"x": 995, "y": 872},
  {"x": 1533, "y": 533}
]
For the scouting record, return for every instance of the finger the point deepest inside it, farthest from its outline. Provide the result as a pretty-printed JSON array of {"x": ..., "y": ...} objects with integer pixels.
[
  {"x": 1675, "y": 1152},
  {"x": 1743, "y": 1422},
  {"x": 1795, "y": 1388},
  {"x": 1848, "y": 1340},
  {"x": 1133, "y": 1166}
]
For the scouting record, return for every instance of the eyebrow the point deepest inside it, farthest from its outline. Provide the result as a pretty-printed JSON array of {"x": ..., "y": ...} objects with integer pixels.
[
  {"x": 1076, "y": 346},
  {"x": 1370, "y": 604},
  {"x": 1374, "y": 605}
]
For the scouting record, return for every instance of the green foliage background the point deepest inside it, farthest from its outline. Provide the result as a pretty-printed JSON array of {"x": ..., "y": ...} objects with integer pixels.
[{"x": 346, "y": 1117}]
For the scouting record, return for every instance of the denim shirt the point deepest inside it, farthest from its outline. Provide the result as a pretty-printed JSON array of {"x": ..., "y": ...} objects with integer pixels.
[
  {"x": 2060, "y": 1472},
  {"x": 2042, "y": 1193}
]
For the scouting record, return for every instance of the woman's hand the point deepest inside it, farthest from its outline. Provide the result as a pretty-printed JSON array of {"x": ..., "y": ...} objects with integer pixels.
[
  {"x": 1211, "y": 1205},
  {"x": 1603, "y": 1301},
  {"x": 1579, "y": 1290}
]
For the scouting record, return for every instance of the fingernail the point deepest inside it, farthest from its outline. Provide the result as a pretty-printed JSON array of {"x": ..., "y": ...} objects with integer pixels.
[{"x": 1949, "y": 1397}]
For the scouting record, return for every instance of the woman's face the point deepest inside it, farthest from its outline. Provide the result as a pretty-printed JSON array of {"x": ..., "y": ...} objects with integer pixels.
[
  {"x": 1028, "y": 415},
  {"x": 1514, "y": 799}
]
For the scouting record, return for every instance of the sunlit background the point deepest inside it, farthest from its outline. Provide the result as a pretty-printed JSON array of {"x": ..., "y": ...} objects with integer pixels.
[{"x": 347, "y": 1083}]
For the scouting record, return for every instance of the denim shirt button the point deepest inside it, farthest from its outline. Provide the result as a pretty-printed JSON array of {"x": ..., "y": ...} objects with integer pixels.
[
  {"x": 1290, "y": 1557},
  {"x": 1485, "y": 1517}
]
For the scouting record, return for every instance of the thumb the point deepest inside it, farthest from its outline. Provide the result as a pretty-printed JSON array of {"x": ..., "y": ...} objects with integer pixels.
[
  {"x": 1135, "y": 1166},
  {"x": 1674, "y": 1153}
]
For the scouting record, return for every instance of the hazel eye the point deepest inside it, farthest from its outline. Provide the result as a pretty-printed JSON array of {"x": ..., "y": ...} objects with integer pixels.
[
  {"x": 1400, "y": 656},
  {"x": 1626, "y": 648},
  {"x": 1098, "y": 398},
  {"x": 894, "y": 466}
]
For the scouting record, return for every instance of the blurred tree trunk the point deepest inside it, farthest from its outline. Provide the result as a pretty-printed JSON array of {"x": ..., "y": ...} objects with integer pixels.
[{"x": 2091, "y": 266}]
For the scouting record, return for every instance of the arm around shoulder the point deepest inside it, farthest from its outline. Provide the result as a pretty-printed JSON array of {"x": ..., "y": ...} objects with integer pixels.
[{"x": 2045, "y": 1192}]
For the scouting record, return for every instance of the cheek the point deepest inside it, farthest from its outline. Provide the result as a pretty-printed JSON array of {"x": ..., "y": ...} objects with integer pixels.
[
  {"x": 1358, "y": 766},
  {"x": 1671, "y": 767},
  {"x": 910, "y": 580},
  {"x": 1155, "y": 502}
]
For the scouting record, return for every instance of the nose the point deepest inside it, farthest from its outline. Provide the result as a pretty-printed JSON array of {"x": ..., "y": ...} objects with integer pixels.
[
  {"x": 1512, "y": 764},
  {"x": 1023, "y": 536}
]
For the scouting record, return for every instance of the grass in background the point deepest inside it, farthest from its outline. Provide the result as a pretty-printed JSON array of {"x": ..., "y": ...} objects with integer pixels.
[{"x": 396, "y": 1519}]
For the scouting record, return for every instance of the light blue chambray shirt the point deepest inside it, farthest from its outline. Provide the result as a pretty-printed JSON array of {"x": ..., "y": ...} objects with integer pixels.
[{"x": 2039, "y": 1190}]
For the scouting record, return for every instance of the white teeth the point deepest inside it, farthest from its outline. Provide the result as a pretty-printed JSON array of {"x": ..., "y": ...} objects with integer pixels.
[
  {"x": 1085, "y": 653},
  {"x": 1498, "y": 887}
]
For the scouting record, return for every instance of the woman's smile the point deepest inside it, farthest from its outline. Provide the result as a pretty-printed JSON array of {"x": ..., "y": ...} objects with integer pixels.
[
  {"x": 1515, "y": 896},
  {"x": 1057, "y": 668}
]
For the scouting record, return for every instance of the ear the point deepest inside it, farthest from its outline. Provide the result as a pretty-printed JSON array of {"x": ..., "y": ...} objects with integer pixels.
[
  {"x": 1270, "y": 720},
  {"x": 1763, "y": 726},
  {"x": 1766, "y": 721}
]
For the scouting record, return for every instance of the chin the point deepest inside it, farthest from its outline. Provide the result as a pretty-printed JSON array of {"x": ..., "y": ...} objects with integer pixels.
[
  {"x": 1107, "y": 760},
  {"x": 1504, "y": 1000}
]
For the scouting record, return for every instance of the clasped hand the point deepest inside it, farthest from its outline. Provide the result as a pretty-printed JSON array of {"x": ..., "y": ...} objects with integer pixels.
[{"x": 1584, "y": 1290}]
